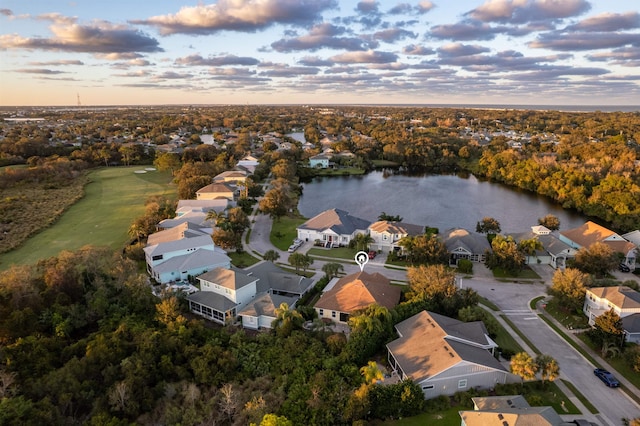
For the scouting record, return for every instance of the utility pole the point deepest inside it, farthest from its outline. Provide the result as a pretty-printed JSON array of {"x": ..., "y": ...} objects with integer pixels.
[{"x": 78, "y": 96}]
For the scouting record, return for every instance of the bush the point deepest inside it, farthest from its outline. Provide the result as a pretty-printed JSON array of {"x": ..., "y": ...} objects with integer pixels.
[
  {"x": 440, "y": 403},
  {"x": 465, "y": 266}
]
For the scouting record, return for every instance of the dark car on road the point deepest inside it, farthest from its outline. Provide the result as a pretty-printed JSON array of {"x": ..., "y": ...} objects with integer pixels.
[
  {"x": 624, "y": 267},
  {"x": 606, "y": 377}
]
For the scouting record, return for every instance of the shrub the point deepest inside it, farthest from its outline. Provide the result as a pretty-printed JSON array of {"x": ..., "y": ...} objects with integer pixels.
[
  {"x": 439, "y": 403},
  {"x": 465, "y": 266}
]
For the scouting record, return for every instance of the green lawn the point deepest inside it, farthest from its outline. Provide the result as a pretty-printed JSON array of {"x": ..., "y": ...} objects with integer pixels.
[
  {"x": 114, "y": 197},
  {"x": 569, "y": 319},
  {"x": 242, "y": 260},
  {"x": 283, "y": 231},
  {"x": 344, "y": 253},
  {"x": 450, "y": 417},
  {"x": 526, "y": 273}
]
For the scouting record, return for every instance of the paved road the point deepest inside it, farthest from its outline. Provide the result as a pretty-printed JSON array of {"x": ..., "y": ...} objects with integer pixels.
[{"x": 513, "y": 301}]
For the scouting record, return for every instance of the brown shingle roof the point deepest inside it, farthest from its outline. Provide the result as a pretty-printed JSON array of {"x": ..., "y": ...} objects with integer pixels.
[
  {"x": 214, "y": 188},
  {"x": 591, "y": 233},
  {"x": 358, "y": 291},
  {"x": 396, "y": 228},
  {"x": 621, "y": 296}
]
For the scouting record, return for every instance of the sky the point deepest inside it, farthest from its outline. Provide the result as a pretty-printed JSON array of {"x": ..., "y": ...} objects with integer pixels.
[{"x": 137, "y": 52}]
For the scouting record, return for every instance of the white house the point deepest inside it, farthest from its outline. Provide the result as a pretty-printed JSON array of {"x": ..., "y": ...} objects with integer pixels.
[
  {"x": 216, "y": 190},
  {"x": 333, "y": 227},
  {"x": 186, "y": 250},
  {"x": 223, "y": 293},
  {"x": 320, "y": 161},
  {"x": 261, "y": 312},
  {"x": 462, "y": 244},
  {"x": 623, "y": 300},
  {"x": 443, "y": 355},
  {"x": 386, "y": 234},
  {"x": 554, "y": 252}
]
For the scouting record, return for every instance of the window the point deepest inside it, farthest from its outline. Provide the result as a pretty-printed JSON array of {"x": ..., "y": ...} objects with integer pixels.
[
  {"x": 462, "y": 384},
  {"x": 333, "y": 314},
  {"x": 321, "y": 313},
  {"x": 157, "y": 257},
  {"x": 385, "y": 237},
  {"x": 428, "y": 387}
]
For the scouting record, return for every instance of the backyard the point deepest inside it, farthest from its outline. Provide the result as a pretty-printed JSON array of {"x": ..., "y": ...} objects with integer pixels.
[{"x": 113, "y": 198}]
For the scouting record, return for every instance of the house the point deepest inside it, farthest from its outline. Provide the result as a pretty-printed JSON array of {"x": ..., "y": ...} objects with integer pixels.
[
  {"x": 623, "y": 300},
  {"x": 333, "y": 227},
  {"x": 205, "y": 206},
  {"x": 231, "y": 177},
  {"x": 320, "y": 161},
  {"x": 386, "y": 234},
  {"x": 354, "y": 292},
  {"x": 214, "y": 191},
  {"x": 223, "y": 293},
  {"x": 181, "y": 252},
  {"x": 443, "y": 355},
  {"x": 462, "y": 244},
  {"x": 261, "y": 312},
  {"x": 590, "y": 233},
  {"x": 554, "y": 252},
  {"x": 511, "y": 410}
]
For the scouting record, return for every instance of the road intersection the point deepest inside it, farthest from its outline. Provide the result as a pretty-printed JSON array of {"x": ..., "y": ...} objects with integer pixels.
[{"x": 513, "y": 301}]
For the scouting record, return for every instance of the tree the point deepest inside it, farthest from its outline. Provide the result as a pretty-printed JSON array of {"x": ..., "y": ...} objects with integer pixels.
[
  {"x": 389, "y": 218},
  {"x": 361, "y": 241},
  {"x": 550, "y": 222},
  {"x": 276, "y": 203},
  {"x": 428, "y": 249},
  {"x": 547, "y": 367},
  {"x": 271, "y": 255},
  {"x": 300, "y": 260},
  {"x": 332, "y": 269},
  {"x": 524, "y": 366},
  {"x": 286, "y": 320},
  {"x": 505, "y": 255},
  {"x": 598, "y": 259},
  {"x": 275, "y": 420},
  {"x": 431, "y": 281},
  {"x": 569, "y": 288},
  {"x": 488, "y": 225},
  {"x": 609, "y": 327},
  {"x": 371, "y": 373},
  {"x": 168, "y": 313},
  {"x": 530, "y": 246},
  {"x": 168, "y": 161}
]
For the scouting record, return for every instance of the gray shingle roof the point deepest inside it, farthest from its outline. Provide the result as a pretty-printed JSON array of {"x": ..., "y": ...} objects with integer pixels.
[
  {"x": 200, "y": 258},
  {"x": 339, "y": 221},
  {"x": 470, "y": 241},
  {"x": 213, "y": 300},
  {"x": 272, "y": 277},
  {"x": 228, "y": 278}
]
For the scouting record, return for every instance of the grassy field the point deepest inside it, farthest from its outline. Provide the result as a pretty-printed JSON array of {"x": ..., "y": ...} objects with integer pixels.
[
  {"x": 284, "y": 231},
  {"x": 114, "y": 197}
]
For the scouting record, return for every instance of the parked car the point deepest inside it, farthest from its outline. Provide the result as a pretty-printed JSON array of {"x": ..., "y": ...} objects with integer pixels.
[
  {"x": 296, "y": 244},
  {"x": 608, "y": 378},
  {"x": 624, "y": 267},
  {"x": 372, "y": 254}
]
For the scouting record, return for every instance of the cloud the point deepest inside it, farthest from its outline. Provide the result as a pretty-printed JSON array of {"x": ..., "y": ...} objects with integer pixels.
[
  {"x": 6, "y": 12},
  {"x": 44, "y": 71},
  {"x": 401, "y": 9},
  {"x": 99, "y": 37},
  {"x": 625, "y": 56},
  {"x": 57, "y": 18},
  {"x": 471, "y": 30},
  {"x": 286, "y": 71},
  {"x": 606, "y": 22},
  {"x": 136, "y": 73},
  {"x": 459, "y": 49},
  {"x": 216, "y": 61},
  {"x": 584, "y": 41},
  {"x": 368, "y": 57},
  {"x": 60, "y": 62},
  {"x": 323, "y": 36},
  {"x": 425, "y": 6},
  {"x": 413, "y": 49},
  {"x": 172, "y": 75},
  {"x": 522, "y": 11},
  {"x": 368, "y": 7},
  {"x": 314, "y": 61},
  {"x": 392, "y": 35},
  {"x": 239, "y": 15}
]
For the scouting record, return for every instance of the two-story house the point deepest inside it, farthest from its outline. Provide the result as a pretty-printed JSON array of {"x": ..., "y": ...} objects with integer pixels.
[
  {"x": 623, "y": 300},
  {"x": 387, "y": 235},
  {"x": 186, "y": 250},
  {"x": 223, "y": 293},
  {"x": 216, "y": 190}
]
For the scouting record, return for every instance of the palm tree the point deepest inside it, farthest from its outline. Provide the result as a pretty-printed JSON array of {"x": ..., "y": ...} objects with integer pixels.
[
  {"x": 530, "y": 246},
  {"x": 371, "y": 373},
  {"x": 286, "y": 320},
  {"x": 362, "y": 241},
  {"x": 271, "y": 256}
]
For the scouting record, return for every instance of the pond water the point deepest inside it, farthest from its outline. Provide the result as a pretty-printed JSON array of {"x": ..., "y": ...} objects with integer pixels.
[{"x": 440, "y": 201}]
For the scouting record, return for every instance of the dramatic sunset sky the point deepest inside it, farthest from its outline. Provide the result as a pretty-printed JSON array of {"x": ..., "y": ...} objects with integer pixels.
[{"x": 117, "y": 52}]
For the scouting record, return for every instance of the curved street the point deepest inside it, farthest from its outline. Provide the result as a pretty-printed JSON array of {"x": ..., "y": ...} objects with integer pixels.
[{"x": 513, "y": 300}]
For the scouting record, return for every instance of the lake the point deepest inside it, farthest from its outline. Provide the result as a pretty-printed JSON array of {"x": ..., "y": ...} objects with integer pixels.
[{"x": 439, "y": 201}]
